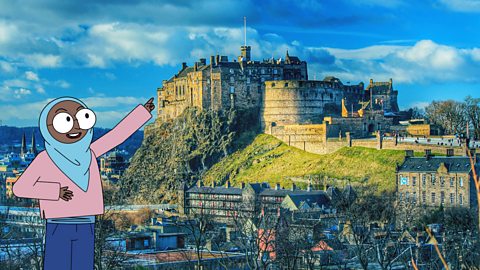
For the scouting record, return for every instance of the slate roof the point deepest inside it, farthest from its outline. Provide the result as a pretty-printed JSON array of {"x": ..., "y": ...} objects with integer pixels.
[
  {"x": 262, "y": 189},
  {"x": 318, "y": 198},
  {"x": 422, "y": 164}
]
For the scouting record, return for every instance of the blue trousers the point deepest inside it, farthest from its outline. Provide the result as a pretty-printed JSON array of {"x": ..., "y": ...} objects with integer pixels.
[{"x": 69, "y": 246}]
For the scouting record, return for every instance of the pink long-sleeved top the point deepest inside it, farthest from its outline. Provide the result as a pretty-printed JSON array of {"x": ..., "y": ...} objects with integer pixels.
[{"x": 42, "y": 179}]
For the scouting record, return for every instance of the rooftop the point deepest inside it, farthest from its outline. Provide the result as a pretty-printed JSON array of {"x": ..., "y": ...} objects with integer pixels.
[{"x": 432, "y": 164}]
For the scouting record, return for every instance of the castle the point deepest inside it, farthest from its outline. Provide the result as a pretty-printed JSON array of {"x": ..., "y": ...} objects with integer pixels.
[{"x": 288, "y": 103}]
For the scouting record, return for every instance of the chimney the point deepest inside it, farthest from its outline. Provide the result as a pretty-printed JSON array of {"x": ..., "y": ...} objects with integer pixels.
[
  {"x": 450, "y": 152},
  {"x": 184, "y": 65},
  {"x": 195, "y": 66},
  {"x": 199, "y": 183},
  {"x": 243, "y": 185},
  {"x": 217, "y": 59},
  {"x": 203, "y": 61},
  {"x": 409, "y": 153},
  {"x": 428, "y": 153},
  {"x": 212, "y": 60},
  {"x": 277, "y": 186},
  {"x": 294, "y": 187},
  {"x": 227, "y": 184}
]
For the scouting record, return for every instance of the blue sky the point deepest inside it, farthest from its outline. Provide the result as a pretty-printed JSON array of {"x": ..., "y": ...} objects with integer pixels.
[{"x": 114, "y": 54}]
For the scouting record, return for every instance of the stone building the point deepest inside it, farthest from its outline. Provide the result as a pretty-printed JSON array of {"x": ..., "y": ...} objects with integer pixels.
[
  {"x": 222, "y": 84},
  {"x": 226, "y": 202},
  {"x": 436, "y": 180}
]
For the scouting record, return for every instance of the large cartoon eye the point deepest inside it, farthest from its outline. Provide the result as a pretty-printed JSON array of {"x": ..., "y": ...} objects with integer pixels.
[
  {"x": 86, "y": 118},
  {"x": 63, "y": 122}
]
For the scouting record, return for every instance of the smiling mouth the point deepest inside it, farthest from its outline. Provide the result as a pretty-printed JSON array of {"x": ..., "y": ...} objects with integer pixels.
[{"x": 74, "y": 135}]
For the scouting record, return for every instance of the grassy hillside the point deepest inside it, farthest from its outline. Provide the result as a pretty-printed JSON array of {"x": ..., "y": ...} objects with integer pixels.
[{"x": 270, "y": 160}]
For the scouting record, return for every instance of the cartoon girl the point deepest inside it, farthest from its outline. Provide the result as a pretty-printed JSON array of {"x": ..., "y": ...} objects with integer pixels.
[{"x": 66, "y": 180}]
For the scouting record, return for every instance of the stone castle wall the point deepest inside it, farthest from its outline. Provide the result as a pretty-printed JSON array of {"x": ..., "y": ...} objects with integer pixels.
[{"x": 298, "y": 102}]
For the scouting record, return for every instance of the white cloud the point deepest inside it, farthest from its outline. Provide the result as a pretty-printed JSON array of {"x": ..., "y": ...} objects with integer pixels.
[
  {"x": 108, "y": 102},
  {"x": 39, "y": 60},
  {"x": 40, "y": 89},
  {"x": 21, "y": 92},
  {"x": 425, "y": 61},
  {"x": 32, "y": 76},
  {"x": 462, "y": 5},
  {"x": 6, "y": 67}
]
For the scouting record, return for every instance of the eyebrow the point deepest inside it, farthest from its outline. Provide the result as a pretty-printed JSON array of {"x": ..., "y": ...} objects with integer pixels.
[
  {"x": 79, "y": 108},
  {"x": 60, "y": 109}
]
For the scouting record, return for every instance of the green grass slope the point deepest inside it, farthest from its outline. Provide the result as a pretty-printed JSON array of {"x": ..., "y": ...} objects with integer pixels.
[{"x": 268, "y": 159}]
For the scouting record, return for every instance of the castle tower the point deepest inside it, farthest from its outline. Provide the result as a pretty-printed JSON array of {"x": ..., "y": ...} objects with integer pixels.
[
  {"x": 245, "y": 50},
  {"x": 245, "y": 53},
  {"x": 33, "y": 149},
  {"x": 23, "y": 150}
]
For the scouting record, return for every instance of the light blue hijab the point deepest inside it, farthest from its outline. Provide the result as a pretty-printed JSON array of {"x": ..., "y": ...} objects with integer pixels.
[{"x": 73, "y": 159}]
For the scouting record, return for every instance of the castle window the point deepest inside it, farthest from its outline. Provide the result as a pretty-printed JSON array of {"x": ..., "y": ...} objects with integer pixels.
[
  {"x": 414, "y": 197},
  {"x": 460, "y": 199},
  {"x": 433, "y": 197},
  {"x": 442, "y": 181},
  {"x": 452, "y": 181},
  {"x": 232, "y": 89},
  {"x": 452, "y": 198},
  {"x": 414, "y": 181},
  {"x": 460, "y": 181},
  {"x": 275, "y": 71},
  {"x": 433, "y": 179},
  {"x": 249, "y": 72},
  {"x": 424, "y": 180},
  {"x": 262, "y": 71},
  {"x": 286, "y": 84},
  {"x": 424, "y": 196},
  {"x": 273, "y": 84},
  {"x": 231, "y": 71},
  {"x": 442, "y": 197},
  {"x": 232, "y": 79},
  {"x": 248, "y": 79}
]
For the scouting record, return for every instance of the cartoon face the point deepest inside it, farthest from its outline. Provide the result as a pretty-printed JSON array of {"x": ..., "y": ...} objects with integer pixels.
[{"x": 69, "y": 121}]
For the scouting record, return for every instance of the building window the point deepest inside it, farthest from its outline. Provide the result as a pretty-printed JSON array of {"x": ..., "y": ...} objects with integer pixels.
[
  {"x": 232, "y": 80},
  {"x": 433, "y": 197},
  {"x": 424, "y": 180},
  {"x": 442, "y": 181},
  {"x": 407, "y": 196},
  {"x": 452, "y": 181},
  {"x": 262, "y": 71},
  {"x": 231, "y": 71},
  {"x": 248, "y": 79},
  {"x": 442, "y": 197},
  {"x": 424, "y": 196},
  {"x": 232, "y": 89},
  {"x": 275, "y": 71},
  {"x": 460, "y": 181},
  {"x": 452, "y": 198},
  {"x": 433, "y": 179},
  {"x": 403, "y": 180},
  {"x": 286, "y": 84},
  {"x": 460, "y": 199},
  {"x": 249, "y": 72},
  {"x": 414, "y": 197},
  {"x": 414, "y": 181}
]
